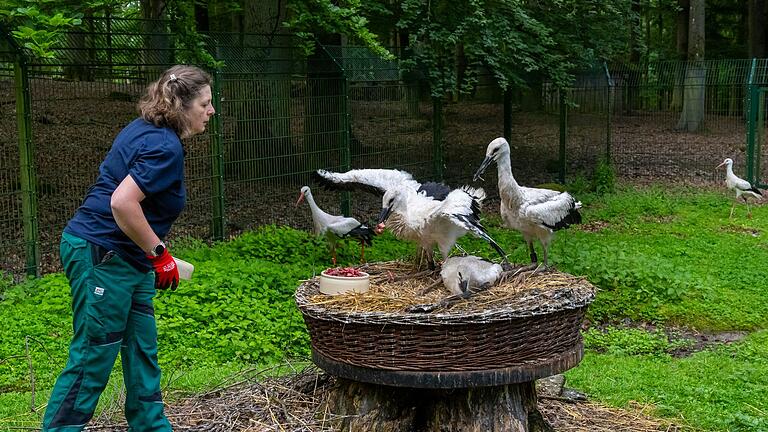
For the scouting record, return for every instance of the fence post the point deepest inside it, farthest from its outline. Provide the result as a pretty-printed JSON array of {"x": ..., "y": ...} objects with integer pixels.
[
  {"x": 346, "y": 151},
  {"x": 563, "y": 135},
  {"x": 27, "y": 172},
  {"x": 437, "y": 135},
  {"x": 609, "y": 108},
  {"x": 217, "y": 162},
  {"x": 752, "y": 92},
  {"x": 508, "y": 114}
]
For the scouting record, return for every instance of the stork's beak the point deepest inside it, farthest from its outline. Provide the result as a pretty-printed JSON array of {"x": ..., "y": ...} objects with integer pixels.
[
  {"x": 301, "y": 198},
  {"x": 463, "y": 283},
  {"x": 720, "y": 165},
  {"x": 384, "y": 215},
  {"x": 483, "y": 166}
]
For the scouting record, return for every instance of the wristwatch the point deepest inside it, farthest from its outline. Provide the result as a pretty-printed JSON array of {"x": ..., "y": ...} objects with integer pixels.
[{"x": 157, "y": 250}]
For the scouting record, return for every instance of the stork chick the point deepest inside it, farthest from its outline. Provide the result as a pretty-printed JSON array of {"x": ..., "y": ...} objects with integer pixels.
[
  {"x": 742, "y": 187},
  {"x": 536, "y": 213},
  {"x": 460, "y": 274},
  {"x": 335, "y": 228}
]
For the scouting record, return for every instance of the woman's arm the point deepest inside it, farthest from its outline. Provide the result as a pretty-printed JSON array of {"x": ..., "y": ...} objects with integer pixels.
[{"x": 126, "y": 209}]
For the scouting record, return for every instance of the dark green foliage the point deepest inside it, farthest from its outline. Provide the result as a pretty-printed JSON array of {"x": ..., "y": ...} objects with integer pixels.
[
  {"x": 632, "y": 342},
  {"x": 604, "y": 178},
  {"x": 514, "y": 40}
]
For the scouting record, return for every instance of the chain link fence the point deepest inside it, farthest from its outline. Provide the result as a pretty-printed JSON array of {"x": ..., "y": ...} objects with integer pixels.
[{"x": 281, "y": 114}]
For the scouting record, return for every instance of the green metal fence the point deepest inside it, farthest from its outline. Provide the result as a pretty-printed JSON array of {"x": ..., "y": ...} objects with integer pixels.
[
  {"x": 650, "y": 138},
  {"x": 282, "y": 114}
]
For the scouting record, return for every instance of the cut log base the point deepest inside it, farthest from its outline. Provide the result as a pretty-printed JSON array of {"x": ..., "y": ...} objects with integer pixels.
[{"x": 359, "y": 406}]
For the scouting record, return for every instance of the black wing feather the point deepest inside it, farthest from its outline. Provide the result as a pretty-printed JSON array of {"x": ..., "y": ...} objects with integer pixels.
[
  {"x": 572, "y": 218},
  {"x": 346, "y": 186},
  {"x": 473, "y": 221},
  {"x": 437, "y": 191},
  {"x": 363, "y": 233}
]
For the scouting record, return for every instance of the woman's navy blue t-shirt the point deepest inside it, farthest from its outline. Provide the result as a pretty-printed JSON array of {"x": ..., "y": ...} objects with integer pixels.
[{"x": 154, "y": 158}]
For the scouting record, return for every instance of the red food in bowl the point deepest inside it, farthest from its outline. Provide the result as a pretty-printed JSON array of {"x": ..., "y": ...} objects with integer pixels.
[{"x": 344, "y": 272}]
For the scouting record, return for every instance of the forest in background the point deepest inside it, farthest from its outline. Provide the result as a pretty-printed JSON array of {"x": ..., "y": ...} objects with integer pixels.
[{"x": 513, "y": 39}]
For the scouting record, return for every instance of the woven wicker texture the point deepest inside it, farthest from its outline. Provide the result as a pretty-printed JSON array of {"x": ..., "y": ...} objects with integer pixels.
[{"x": 510, "y": 334}]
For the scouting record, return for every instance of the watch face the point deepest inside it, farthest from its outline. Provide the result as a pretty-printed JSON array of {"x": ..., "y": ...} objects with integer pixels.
[{"x": 158, "y": 250}]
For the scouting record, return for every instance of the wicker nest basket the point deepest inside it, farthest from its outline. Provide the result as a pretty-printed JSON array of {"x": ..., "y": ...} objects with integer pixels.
[{"x": 529, "y": 328}]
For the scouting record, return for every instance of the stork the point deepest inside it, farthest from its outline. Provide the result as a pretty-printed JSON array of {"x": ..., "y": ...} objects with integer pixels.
[
  {"x": 464, "y": 276},
  {"x": 378, "y": 181},
  {"x": 336, "y": 227},
  {"x": 536, "y": 213},
  {"x": 461, "y": 274},
  {"x": 430, "y": 222},
  {"x": 742, "y": 187},
  {"x": 427, "y": 213}
]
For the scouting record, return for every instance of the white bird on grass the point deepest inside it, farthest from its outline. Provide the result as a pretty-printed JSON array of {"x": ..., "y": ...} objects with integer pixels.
[
  {"x": 427, "y": 213},
  {"x": 536, "y": 213},
  {"x": 462, "y": 274},
  {"x": 742, "y": 187},
  {"x": 336, "y": 227}
]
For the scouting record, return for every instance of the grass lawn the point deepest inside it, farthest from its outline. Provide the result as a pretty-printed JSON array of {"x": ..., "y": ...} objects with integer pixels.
[{"x": 666, "y": 258}]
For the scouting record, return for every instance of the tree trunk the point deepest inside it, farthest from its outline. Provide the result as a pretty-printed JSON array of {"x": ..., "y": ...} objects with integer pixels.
[
  {"x": 692, "y": 116},
  {"x": 375, "y": 408},
  {"x": 757, "y": 16},
  {"x": 80, "y": 57},
  {"x": 157, "y": 39},
  {"x": 264, "y": 140},
  {"x": 682, "y": 52}
]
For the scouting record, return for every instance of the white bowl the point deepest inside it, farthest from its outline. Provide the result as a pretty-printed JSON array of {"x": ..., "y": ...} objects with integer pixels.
[{"x": 334, "y": 285}]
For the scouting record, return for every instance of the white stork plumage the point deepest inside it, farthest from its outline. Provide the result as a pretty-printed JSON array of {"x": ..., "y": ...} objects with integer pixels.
[
  {"x": 428, "y": 213},
  {"x": 742, "y": 187},
  {"x": 336, "y": 227},
  {"x": 378, "y": 181},
  {"x": 462, "y": 273},
  {"x": 535, "y": 212}
]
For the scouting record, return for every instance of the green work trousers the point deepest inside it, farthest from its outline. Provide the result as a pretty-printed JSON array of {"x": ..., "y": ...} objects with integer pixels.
[{"x": 112, "y": 312}]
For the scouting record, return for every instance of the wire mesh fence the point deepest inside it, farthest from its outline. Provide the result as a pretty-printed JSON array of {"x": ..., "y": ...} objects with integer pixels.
[{"x": 283, "y": 114}]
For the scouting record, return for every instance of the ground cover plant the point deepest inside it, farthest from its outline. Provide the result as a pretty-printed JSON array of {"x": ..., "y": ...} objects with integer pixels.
[{"x": 671, "y": 267}]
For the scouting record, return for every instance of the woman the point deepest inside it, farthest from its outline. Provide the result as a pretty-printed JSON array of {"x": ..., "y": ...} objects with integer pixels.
[{"x": 115, "y": 259}]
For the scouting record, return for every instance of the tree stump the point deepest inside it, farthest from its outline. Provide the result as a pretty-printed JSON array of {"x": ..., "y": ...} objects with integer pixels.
[
  {"x": 378, "y": 408},
  {"x": 456, "y": 370}
]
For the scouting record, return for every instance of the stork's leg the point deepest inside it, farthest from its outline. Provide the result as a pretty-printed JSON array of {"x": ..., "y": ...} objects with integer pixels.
[
  {"x": 362, "y": 252},
  {"x": 333, "y": 255},
  {"x": 732, "y": 207},
  {"x": 534, "y": 257},
  {"x": 431, "y": 259},
  {"x": 749, "y": 209}
]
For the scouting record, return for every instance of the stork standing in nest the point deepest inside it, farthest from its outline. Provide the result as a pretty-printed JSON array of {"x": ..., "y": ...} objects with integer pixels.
[
  {"x": 430, "y": 222},
  {"x": 537, "y": 213},
  {"x": 335, "y": 228},
  {"x": 428, "y": 213},
  {"x": 743, "y": 188}
]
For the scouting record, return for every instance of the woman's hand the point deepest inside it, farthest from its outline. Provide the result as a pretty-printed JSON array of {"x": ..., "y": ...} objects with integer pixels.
[{"x": 166, "y": 271}]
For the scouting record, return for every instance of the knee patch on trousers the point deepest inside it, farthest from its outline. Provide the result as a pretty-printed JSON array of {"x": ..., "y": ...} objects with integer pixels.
[
  {"x": 67, "y": 415},
  {"x": 154, "y": 397}
]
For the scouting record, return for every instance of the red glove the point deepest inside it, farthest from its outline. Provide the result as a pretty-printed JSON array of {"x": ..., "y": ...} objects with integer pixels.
[{"x": 166, "y": 272}]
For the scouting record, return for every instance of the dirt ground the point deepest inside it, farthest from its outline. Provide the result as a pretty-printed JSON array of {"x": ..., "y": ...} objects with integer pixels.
[{"x": 295, "y": 402}]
